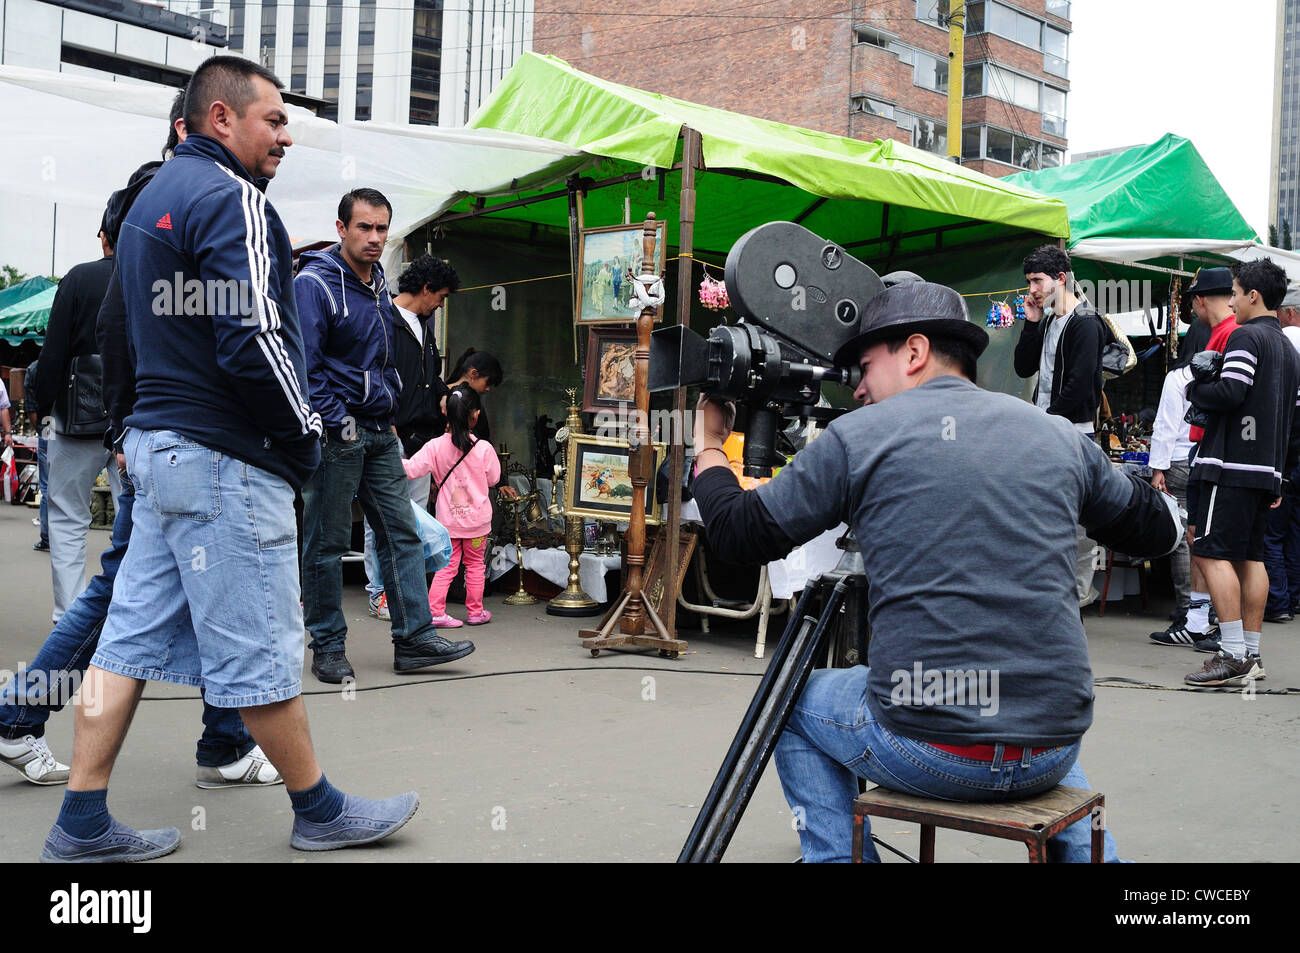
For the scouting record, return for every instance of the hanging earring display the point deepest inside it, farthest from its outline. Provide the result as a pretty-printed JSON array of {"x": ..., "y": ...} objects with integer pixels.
[
  {"x": 1000, "y": 315},
  {"x": 713, "y": 293}
]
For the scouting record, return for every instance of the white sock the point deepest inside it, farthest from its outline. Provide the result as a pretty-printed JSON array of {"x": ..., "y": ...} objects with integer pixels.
[
  {"x": 1198, "y": 612},
  {"x": 1252, "y": 643},
  {"x": 1232, "y": 639}
]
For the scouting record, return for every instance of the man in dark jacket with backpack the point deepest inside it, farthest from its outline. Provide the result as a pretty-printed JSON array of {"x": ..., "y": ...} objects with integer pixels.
[
  {"x": 348, "y": 332},
  {"x": 75, "y": 453}
]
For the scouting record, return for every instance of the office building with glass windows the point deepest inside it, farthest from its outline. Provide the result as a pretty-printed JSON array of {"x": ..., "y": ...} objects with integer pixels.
[{"x": 400, "y": 61}]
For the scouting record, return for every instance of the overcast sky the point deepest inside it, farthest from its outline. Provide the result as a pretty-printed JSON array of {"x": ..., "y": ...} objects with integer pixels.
[{"x": 1201, "y": 69}]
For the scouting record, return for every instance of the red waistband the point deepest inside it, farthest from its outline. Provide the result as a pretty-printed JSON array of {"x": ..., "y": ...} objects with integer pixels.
[{"x": 985, "y": 752}]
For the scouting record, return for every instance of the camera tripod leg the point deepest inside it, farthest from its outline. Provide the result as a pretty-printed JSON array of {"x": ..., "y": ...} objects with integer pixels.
[{"x": 767, "y": 715}]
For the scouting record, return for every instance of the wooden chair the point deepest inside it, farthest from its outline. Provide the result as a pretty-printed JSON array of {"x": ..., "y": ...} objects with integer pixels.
[{"x": 1031, "y": 821}]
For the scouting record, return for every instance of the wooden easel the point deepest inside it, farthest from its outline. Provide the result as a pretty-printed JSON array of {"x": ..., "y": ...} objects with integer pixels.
[{"x": 631, "y": 612}]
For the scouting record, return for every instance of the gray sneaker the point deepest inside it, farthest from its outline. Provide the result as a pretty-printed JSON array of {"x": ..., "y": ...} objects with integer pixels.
[
  {"x": 31, "y": 758},
  {"x": 252, "y": 770},
  {"x": 118, "y": 845},
  {"x": 362, "y": 821}
]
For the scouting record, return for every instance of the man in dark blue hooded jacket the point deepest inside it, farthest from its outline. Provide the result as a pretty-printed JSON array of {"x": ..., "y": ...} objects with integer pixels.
[{"x": 348, "y": 332}]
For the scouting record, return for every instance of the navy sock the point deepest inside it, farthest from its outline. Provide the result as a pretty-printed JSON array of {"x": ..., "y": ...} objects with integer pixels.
[
  {"x": 320, "y": 803},
  {"x": 84, "y": 814}
]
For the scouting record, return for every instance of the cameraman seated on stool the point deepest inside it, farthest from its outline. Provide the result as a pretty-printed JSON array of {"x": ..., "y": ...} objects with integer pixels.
[{"x": 964, "y": 504}]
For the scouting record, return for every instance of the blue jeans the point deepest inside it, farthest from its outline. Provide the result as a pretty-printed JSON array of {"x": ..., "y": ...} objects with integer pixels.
[
  {"x": 368, "y": 468},
  {"x": 27, "y": 701},
  {"x": 1282, "y": 556},
  {"x": 43, "y": 476},
  {"x": 419, "y": 488},
  {"x": 208, "y": 592},
  {"x": 832, "y": 739}
]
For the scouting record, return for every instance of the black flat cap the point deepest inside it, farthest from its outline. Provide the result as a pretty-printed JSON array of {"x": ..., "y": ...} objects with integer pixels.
[{"x": 912, "y": 307}]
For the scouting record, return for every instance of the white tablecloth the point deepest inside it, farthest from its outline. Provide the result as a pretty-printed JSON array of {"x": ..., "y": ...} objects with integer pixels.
[
  {"x": 553, "y": 566},
  {"x": 791, "y": 574}
]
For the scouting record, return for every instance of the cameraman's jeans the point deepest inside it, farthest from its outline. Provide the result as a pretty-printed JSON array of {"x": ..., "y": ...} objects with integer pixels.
[
  {"x": 832, "y": 739},
  {"x": 47, "y": 683}
]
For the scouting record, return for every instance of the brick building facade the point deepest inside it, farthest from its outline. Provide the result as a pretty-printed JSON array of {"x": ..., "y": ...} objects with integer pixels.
[{"x": 870, "y": 70}]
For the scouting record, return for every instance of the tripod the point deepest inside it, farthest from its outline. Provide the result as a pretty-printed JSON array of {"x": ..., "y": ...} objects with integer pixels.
[{"x": 842, "y": 596}]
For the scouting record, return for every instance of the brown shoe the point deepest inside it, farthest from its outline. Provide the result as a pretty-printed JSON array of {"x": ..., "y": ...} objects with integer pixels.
[{"x": 1223, "y": 669}]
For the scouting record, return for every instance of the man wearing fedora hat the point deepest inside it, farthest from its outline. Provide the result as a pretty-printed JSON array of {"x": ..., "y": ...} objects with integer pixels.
[
  {"x": 1212, "y": 321},
  {"x": 940, "y": 514}
]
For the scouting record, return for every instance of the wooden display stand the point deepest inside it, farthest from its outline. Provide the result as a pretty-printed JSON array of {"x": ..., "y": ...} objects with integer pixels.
[{"x": 631, "y": 612}]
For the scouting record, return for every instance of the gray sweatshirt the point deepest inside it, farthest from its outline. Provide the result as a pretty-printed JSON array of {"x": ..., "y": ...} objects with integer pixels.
[{"x": 965, "y": 504}]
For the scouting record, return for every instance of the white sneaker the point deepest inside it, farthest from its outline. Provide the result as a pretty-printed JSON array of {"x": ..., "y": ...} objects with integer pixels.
[
  {"x": 31, "y": 758},
  {"x": 252, "y": 769},
  {"x": 379, "y": 607}
]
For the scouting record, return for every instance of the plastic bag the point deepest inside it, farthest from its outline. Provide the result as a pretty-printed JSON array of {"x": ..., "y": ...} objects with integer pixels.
[{"x": 434, "y": 536}]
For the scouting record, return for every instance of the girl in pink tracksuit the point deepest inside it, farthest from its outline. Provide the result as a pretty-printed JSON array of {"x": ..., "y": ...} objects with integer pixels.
[{"x": 463, "y": 468}]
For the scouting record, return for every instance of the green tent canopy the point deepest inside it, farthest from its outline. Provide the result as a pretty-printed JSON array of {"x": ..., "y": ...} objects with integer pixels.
[
  {"x": 23, "y": 289},
  {"x": 27, "y": 317},
  {"x": 879, "y": 199},
  {"x": 1164, "y": 190}
]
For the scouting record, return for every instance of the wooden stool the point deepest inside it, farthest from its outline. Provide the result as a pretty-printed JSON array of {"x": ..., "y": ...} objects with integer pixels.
[{"x": 1031, "y": 821}]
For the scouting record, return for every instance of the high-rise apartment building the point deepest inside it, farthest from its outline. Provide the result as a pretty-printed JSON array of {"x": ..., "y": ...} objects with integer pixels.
[
  {"x": 873, "y": 70},
  {"x": 1284, "y": 178}
]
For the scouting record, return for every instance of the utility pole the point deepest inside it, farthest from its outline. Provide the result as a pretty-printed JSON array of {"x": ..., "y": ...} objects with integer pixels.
[{"x": 956, "y": 74}]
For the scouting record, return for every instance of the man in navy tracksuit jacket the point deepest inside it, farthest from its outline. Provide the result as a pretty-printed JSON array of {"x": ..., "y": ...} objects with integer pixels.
[
  {"x": 220, "y": 434},
  {"x": 348, "y": 329}
]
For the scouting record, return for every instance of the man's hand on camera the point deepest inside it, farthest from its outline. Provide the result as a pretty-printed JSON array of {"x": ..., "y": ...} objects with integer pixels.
[{"x": 713, "y": 422}]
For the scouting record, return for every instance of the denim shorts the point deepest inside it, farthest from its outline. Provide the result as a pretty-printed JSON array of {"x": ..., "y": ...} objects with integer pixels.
[{"x": 207, "y": 594}]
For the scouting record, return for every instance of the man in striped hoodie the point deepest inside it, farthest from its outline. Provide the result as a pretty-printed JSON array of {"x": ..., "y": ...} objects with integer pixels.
[{"x": 1250, "y": 441}]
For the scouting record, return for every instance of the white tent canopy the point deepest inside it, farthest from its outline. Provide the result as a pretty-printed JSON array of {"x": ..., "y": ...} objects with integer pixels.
[
  {"x": 70, "y": 141},
  {"x": 1135, "y": 251}
]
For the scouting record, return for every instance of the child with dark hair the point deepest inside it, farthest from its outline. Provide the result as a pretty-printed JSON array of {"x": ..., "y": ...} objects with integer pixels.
[
  {"x": 464, "y": 468},
  {"x": 480, "y": 371}
]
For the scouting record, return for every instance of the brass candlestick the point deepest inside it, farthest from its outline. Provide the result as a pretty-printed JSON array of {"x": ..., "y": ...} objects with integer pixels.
[
  {"x": 522, "y": 597},
  {"x": 573, "y": 601}
]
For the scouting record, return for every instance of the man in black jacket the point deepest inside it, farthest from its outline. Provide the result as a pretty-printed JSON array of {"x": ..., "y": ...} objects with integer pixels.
[
  {"x": 74, "y": 461},
  {"x": 422, "y": 289},
  {"x": 1061, "y": 342},
  {"x": 1250, "y": 441}
]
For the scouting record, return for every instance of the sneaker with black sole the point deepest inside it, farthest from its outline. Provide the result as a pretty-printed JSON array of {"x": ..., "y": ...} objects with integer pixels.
[
  {"x": 117, "y": 845},
  {"x": 252, "y": 770},
  {"x": 1224, "y": 670},
  {"x": 31, "y": 757},
  {"x": 331, "y": 667},
  {"x": 1207, "y": 641},
  {"x": 1176, "y": 634},
  {"x": 430, "y": 650}
]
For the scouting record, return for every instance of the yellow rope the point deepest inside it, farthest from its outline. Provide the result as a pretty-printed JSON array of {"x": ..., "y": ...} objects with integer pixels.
[
  {"x": 569, "y": 274},
  {"x": 979, "y": 294}
]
